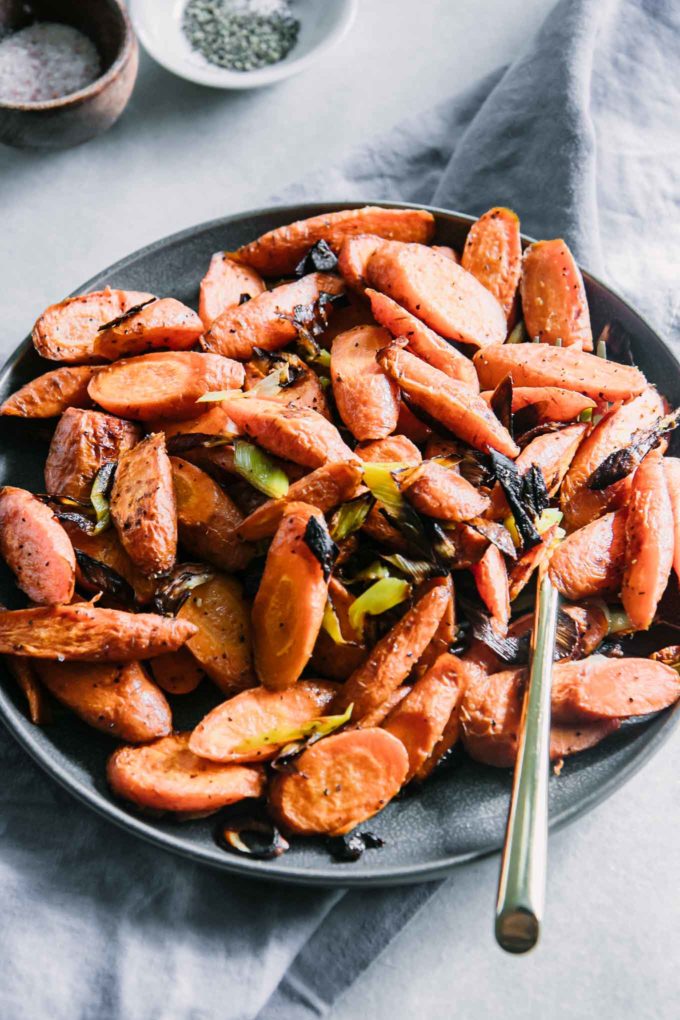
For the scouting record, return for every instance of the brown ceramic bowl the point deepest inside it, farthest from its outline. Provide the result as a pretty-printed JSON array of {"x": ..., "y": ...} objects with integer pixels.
[{"x": 59, "y": 123}]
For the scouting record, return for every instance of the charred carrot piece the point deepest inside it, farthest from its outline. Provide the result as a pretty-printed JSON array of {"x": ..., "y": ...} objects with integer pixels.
[
  {"x": 305, "y": 392},
  {"x": 603, "y": 688},
  {"x": 226, "y": 284},
  {"x": 672, "y": 469},
  {"x": 36, "y": 548},
  {"x": 207, "y": 519},
  {"x": 366, "y": 398},
  {"x": 222, "y": 641},
  {"x": 493, "y": 254},
  {"x": 451, "y": 732},
  {"x": 339, "y": 661},
  {"x": 490, "y": 715},
  {"x": 552, "y": 453},
  {"x": 552, "y": 403},
  {"x": 67, "y": 331},
  {"x": 528, "y": 563},
  {"x": 491, "y": 578},
  {"x": 161, "y": 324},
  {"x": 52, "y": 393},
  {"x": 106, "y": 549},
  {"x": 454, "y": 405},
  {"x": 39, "y": 711},
  {"x": 396, "y": 449},
  {"x": 554, "y": 296},
  {"x": 177, "y": 672},
  {"x": 590, "y": 561},
  {"x": 592, "y": 623},
  {"x": 82, "y": 443},
  {"x": 439, "y": 491},
  {"x": 650, "y": 540},
  {"x": 354, "y": 257}
]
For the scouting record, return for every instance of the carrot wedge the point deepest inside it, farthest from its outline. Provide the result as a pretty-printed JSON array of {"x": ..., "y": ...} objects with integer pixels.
[
  {"x": 253, "y": 726},
  {"x": 207, "y": 519},
  {"x": 166, "y": 776},
  {"x": 590, "y": 561},
  {"x": 226, "y": 284},
  {"x": 339, "y": 782},
  {"x": 565, "y": 367},
  {"x": 672, "y": 469},
  {"x": 422, "y": 341},
  {"x": 394, "y": 656},
  {"x": 36, "y": 548},
  {"x": 354, "y": 257},
  {"x": 440, "y": 492},
  {"x": 554, "y": 299},
  {"x": 84, "y": 441},
  {"x": 85, "y": 633},
  {"x": 366, "y": 398},
  {"x": 161, "y": 324},
  {"x": 552, "y": 403},
  {"x": 464, "y": 672},
  {"x": 493, "y": 254},
  {"x": 52, "y": 393},
  {"x": 459, "y": 409},
  {"x": 177, "y": 672},
  {"x": 604, "y": 688},
  {"x": 39, "y": 709},
  {"x": 67, "y": 331},
  {"x": 278, "y": 252},
  {"x": 491, "y": 578},
  {"x": 221, "y": 641},
  {"x": 650, "y": 541}
]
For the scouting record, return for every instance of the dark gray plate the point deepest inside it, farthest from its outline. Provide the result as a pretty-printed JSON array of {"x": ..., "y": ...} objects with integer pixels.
[{"x": 461, "y": 812}]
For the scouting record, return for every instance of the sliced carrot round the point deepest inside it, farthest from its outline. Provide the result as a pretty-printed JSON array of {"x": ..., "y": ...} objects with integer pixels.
[{"x": 36, "y": 547}]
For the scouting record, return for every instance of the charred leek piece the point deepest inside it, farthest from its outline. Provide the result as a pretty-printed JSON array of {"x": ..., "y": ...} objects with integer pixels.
[
  {"x": 381, "y": 596},
  {"x": 257, "y": 468},
  {"x": 99, "y": 496},
  {"x": 318, "y": 728}
]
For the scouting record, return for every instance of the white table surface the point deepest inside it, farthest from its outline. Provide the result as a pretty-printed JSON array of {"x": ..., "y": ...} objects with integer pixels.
[{"x": 182, "y": 154}]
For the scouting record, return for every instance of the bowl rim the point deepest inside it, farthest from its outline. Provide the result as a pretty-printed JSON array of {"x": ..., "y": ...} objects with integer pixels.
[
  {"x": 74, "y": 98},
  {"x": 237, "y": 80}
]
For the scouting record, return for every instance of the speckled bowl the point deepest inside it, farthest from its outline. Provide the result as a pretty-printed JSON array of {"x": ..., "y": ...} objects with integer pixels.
[{"x": 70, "y": 120}]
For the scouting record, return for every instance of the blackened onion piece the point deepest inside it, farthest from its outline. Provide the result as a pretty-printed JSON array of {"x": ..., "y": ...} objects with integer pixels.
[
  {"x": 102, "y": 577},
  {"x": 535, "y": 492},
  {"x": 512, "y": 650},
  {"x": 253, "y": 835},
  {"x": 350, "y": 847},
  {"x": 567, "y": 637},
  {"x": 321, "y": 545},
  {"x": 126, "y": 315},
  {"x": 528, "y": 418},
  {"x": 496, "y": 533},
  {"x": 319, "y": 259},
  {"x": 512, "y": 484},
  {"x": 178, "y": 585},
  {"x": 417, "y": 570},
  {"x": 543, "y": 429},
  {"x": 85, "y": 524},
  {"x": 622, "y": 462},
  {"x": 501, "y": 403},
  {"x": 289, "y": 367}
]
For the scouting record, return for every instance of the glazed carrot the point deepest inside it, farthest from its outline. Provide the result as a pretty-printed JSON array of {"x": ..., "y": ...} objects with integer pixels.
[
  {"x": 554, "y": 299},
  {"x": 143, "y": 506},
  {"x": 67, "y": 331},
  {"x": 615, "y": 431},
  {"x": 445, "y": 634},
  {"x": 333, "y": 660},
  {"x": 604, "y": 688},
  {"x": 36, "y": 548},
  {"x": 650, "y": 541},
  {"x": 52, "y": 393},
  {"x": 379, "y": 714},
  {"x": 119, "y": 699},
  {"x": 396, "y": 449},
  {"x": 490, "y": 715},
  {"x": 420, "y": 719},
  {"x": 166, "y": 776},
  {"x": 84, "y": 441},
  {"x": 422, "y": 341},
  {"x": 366, "y": 398},
  {"x": 177, "y": 672},
  {"x": 463, "y": 671},
  {"x": 162, "y": 385},
  {"x": 252, "y": 726},
  {"x": 278, "y": 252},
  {"x": 325, "y": 488},
  {"x": 567, "y": 368},
  {"x": 525, "y": 566},
  {"x": 590, "y": 561},
  {"x": 107, "y": 549},
  {"x": 221, "y": 642},
  {"x": 162, "y": 324},
  {"x": 225, "y": 285},
  {"x": 439, "y": 491},
  {"x": 339, "y": 782},
  {"x": 491, "y": 578},
  {"x": 294, "y": 433},
  {"x": 493, "y": 254},
  {"x": 266, "y": 321},
  {"x": 454, "y": 405},
  {"x": 39, "y": 710},
  {"x": 394, "y": 656},
  {"x": 672, "y": 470},
  {"x": 354, "y": 257},
  {"x": 85, "y": 633},
  {"x": 411, "y": 426},
  {"x": 434, "y": 288},
  {"x": 290, "y": 602},
  {"x": 214, "y": 422},
  {"x": 306, "y": 392},
  {"x": 207, "y": 519},
  {"x": 552, "y": 403}
]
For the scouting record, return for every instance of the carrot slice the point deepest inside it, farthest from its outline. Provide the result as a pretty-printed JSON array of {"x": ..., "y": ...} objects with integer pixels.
[
  {"x": 445, "y": 634},
  {"x": 422, "y": 341},
  {"x": 379, "y": 714},
  {"x": 84, "y": 441},
  {"x": 434, "y": 288},
  {"x": 245, "y": 728},
  {"x": 439, "y": 491},
  {"x": 306, "y": 391},
  {"x": 446, "y": 251},
  {"x": 339, "y": 782},
  {"x": 207, "y": 519},
  {"x": 278, "y": 252},
  {"x": 163, "y": 323},
  {"x": 493, "y": 254},
  {"x": 525, "y": 566},
  {"x": 565, "y": 367},
  {"x": 214, "y": 422},
  {"x": 395, "y": 449},
  {"x": 39, "y": 710},
  {"x": 672, "y": 470},
  {"x": 463, "y": 672},
  {"x": 554, "y": 297},
  {"x": 221, "y": 642},
  {"x": 85, "y": 633},
  {"x": 603, "y": 688},
  {"x": 650, "y": 540},
  {"x": 290, "y": 602},
  {"x": 411, "y": 426},
  {"x": 552, "y": 403},
  {"x": 490, "y": 715},
  {"x": 366, "y": 398},
  {"x": 119, "y": 699},
  {"x": 447, "y": 401},
  {"x": 67, "y": 331},
  {"x": 354, "y": 257},
  {"x": 571, "y": 738},
  {"x": 52, "y": 393},
  {"x": 107, "y": 549},
  {"x": 162, "y": 385},
  {"x": 167, "y": 776},
  {"x": 394, "y": 656},
  {"x": 329, "y": 658},
  {"x": 225, "y": 285},
  {"x": 491, "y": 578},
  {"x": 590, "y": 561},
  {"x": 177, "y": 672},
  {"x": 36, "y": 548}
]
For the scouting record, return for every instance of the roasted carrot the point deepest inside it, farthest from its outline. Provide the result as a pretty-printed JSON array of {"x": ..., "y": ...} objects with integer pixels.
[
  {"x": 395, "y": 449},
  {"x": 490, "y": 716},
  {"x": 462, "y": 672},
  {"x": 354, "y": 257},
  {"x": 439, "y": 491},
  {"x": 255, "y": 725},
  {"x": 553, "y": 453},
  {"x": 84, "y": 441},
  {"x": 334, "y": 660},
  {"x": 39, "y": 710},
  {"x": 106, "y": 548},
  {"x": 306, "y": 391},
  {"x": 339, "y": 782},
  {"x": 52, "y": 393},
  {"x": 379, "y": 714},
  {"x": 650, "y": 541},
  {"x": 85, "y": 633},
  {"x": 207, "y": 519},
  {"x": 445, "y": 634},
  {"x": 166, "y": 776},
  {"x": 422, "y": 341},
  {"x": 434, "y": 288},
  {"x": 604, "y": 688},
  {"x": 448, "y": 401},
  {"x": 177, "y": 672},
  {"x": 161, "y": 324},
  {"x": 226, "y": 284},
  {"x": 290, "y": 602},
  {"x": 554, "y": 299},
  {"x": 493, "y": 254},
  {"x": 446, "y": 251},
  {"x": 571, "y": 738},
  {"x": 411, "y": 426},
  {"x": 36, "y": 548},
  {"x": 592, "y": 623},
  {"x": 214, "y": 422},
  {"x": 221, "y": 642},
  {"x": 590, "y": 561},
  {"x": 565, "y": 367},
  {"x": 525, "y": 566},
  {"x": 672, "y": 469},
  {"x": 67, "y": 331},
  {"x": 552, "y": 403},
  {"x": 367, "y": 399},
  {"x": 162, "y": 385},
  {"x": 279, "y": 251},
  {"x": 491, "y": 578}
]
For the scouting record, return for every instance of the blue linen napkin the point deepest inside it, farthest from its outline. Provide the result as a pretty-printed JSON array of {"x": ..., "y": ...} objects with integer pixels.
[{"x": 580, "y": 137}]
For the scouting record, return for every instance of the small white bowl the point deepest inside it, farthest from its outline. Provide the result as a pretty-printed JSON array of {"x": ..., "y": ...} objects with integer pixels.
[{"x": 323, "y": 23}]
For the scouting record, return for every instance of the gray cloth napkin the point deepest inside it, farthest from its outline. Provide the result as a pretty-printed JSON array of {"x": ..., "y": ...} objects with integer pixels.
[{"x": 580, "y": 137}]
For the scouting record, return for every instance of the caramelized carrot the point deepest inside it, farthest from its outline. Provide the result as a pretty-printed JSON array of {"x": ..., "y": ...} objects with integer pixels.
[
  {"x": 411, "y": 426},
  {"x": 590, "y": 561},
  {"x": 225, "y": 285},
  {"x": 338, "y": 660},
  {"x": 354, "y": 257},
  {"x": 650, "y": 540},
  {"x": 339, "y": 782},
  {"x": 525, "y": 566},
  {"x": 672, "y": 470},
  {"x": 439, "y": 491},
  {"x": 463, "y": 671},
  {"x": 177, "y": 672},
  {"x": 221, "y": 642},
  {"x": 493, "y": 254},
  {"x": 379, "y": 714},
  {"x": 306, "y": 392},
  {"x": 214, "y": 422},
  {"x": 604, "y": 688},
  {"x": 395, "y": 449},
  {"x": 553, "y": 453},
  {"x": 491, "y": 578},
  {"x": 36, "y": 548},
  {"x": 67, "y": 331},
  {"x": 39, "y": 710},
  {"x": 554, "y": 297},
  {"x": 446, "y": 251},
  {"x": 552, "y": 403},
  {"x": 52, "y": 393},
  {"x": 162, "y": 324},
  {"x": 366, "y": 398},
  {"x": 84, "y": 441},
  {"x": 107, "y": 549},
  {"x": 207, "y": 519},
  {"x": 143, "y": 506},
  {"x": 445, "y": 634}
]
